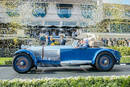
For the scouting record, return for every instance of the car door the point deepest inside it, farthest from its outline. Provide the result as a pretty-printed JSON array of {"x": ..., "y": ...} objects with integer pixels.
[
  {"x": 78, "y": 53},
  {"x": 70, "y": 54},
  {"x": 88, "y": 53}
]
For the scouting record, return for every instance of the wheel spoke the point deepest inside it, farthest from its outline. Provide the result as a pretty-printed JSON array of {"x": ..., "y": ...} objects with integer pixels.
[{"x": 22, "y": 63}]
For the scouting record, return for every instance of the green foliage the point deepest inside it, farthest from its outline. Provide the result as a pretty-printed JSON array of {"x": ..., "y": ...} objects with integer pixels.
[
  {"x": 125, "y": 60},
  {"x": 6, "y": 61},
  {"x": 125, "y": 51},
  {"x": 9, "y": 62},
  {"x": 70, "y": 82}
]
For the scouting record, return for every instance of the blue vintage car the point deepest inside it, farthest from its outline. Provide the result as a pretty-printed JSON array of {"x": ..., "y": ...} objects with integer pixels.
[{"x": 102, "y": 59}]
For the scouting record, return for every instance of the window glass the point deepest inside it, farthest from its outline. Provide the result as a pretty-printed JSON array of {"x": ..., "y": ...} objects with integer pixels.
[
  {"x": 87, "y": 11},
  {"x": 39, "y": 9},
  {"x": 64, "y": 10}
]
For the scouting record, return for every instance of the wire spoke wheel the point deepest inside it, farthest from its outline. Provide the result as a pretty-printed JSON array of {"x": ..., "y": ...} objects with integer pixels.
[
  {"x": 104, "y": 61},
  {"x": 22, "y": 63}
]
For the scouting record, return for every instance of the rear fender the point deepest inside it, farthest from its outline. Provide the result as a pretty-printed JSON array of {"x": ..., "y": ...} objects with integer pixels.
[
  {"x": 98, "y": 52},
  {"x": 28, "y": 53}
]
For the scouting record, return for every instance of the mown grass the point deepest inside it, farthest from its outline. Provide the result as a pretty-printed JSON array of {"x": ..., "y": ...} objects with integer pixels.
[
  {"x": 125, "y": 60},
  {"x": 6, "y": 60}
]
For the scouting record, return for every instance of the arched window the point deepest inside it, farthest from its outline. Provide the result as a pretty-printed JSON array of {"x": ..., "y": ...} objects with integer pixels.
[
  {"x": 108, "y": 12},
  {"x": 64, "y": 10},
  {"x": 12, "y": 8},
  {"x": 40, "y": 9},
  {"x": 12, "y": 12},
  {"x": 87, "y": 11}
]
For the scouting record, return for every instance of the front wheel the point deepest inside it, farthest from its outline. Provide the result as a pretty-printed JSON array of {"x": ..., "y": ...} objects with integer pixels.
[
  {"x": 105, "y": 61},
  {"x": 22, "y": 63}
]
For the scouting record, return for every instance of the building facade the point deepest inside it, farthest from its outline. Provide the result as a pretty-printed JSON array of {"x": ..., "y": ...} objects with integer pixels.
[
  {"x": 38, "y": 16},
  {"x": 41, "y": 14},
  {"x": 29, "y": 19},
  {"x": 116, "y": 18}
]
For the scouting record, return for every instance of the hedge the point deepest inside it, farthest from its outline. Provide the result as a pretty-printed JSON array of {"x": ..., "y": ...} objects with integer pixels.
[
  {"x": 70, "y": 82},
  {"x": 125, "y": 51},
  {"x": 7, "y": 52}
]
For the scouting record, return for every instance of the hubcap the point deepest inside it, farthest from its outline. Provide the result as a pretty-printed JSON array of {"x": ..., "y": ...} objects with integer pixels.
[
  {"x": 104, "y": 61},
  {"x": 22, "y": 63}
]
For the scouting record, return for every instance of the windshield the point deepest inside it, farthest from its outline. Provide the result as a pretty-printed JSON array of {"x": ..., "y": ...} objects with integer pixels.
[{"x": 75, "y": 43}]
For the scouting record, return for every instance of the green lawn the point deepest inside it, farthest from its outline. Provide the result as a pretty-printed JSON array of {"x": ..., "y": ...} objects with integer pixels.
[
  {"x": 7, "y": 60},
  {"x": 125, "y": 60},
  {"x": 2, "y": 60}
]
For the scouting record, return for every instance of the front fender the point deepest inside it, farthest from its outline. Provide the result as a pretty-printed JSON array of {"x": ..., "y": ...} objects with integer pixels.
[
  {"x": 98, "y": 52},
  {"x": 29, "y": 53}
]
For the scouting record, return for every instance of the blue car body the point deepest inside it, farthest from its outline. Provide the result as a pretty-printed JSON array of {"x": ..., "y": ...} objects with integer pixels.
[{"x": 66, "y": 55}]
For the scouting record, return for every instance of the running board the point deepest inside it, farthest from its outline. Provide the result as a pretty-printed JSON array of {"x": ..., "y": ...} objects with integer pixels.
[{"x": 75, "y": 62}]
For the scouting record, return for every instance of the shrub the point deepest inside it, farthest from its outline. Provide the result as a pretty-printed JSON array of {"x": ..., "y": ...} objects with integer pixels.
[
  {"x": 70, "y": 82},
  {"x": 125, "y": 51},
  {"x": 9, "y": 62}
]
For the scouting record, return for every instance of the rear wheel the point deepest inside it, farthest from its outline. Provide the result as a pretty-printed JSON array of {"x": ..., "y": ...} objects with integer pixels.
[
  {"x": 22, "y": 63},
  {"x": 104, "y": 61}
]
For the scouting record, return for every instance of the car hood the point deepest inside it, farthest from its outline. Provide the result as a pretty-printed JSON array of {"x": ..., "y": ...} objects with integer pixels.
[
  {"x": 50, "y": 52},
  {"x": 47, "y": 47},
  {"x": 58, "y": 47}
]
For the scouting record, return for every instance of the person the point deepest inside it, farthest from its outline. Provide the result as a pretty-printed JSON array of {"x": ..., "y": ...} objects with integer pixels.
[
  {"x": 20, "y": 44},
  {"x": 83, "y": 43},
  {"x": 106, "y": 42},
  {"x": 129, "y": 43},
  {"x": 62, "y": 40},
  {"x": 109, "y": 42},
  {"x": 89, "y": 41},
  {"x": 114, "y": 42},
  {"x": 52, "y": 41},
  {"x": 42, "y": 40},
  {"x": 47, "y": 33},
  {"x": 67, "y": 33},
  {"x": 103, "y": 40},
  {"x": 74, "y": 34},
  {"x": 54, "y": 33},
  {"x": 47, "y": 41},
  {"x": 111, "y": 39}
]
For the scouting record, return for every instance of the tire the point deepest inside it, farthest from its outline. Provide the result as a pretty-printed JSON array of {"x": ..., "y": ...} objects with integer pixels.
[
  {"x": 104, "y": 61},
  {"x": 22, "y": 63}
]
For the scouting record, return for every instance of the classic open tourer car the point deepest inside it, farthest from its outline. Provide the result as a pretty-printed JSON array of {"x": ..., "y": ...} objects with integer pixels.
[{"x": 102, "y": 59}]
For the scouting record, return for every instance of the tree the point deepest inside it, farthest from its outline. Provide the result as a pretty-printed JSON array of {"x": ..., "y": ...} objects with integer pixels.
[{"x": 113, "y": 16}]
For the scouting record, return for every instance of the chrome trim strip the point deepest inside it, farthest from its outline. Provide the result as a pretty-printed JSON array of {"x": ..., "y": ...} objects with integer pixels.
[{"x": 76, "y": 62}]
